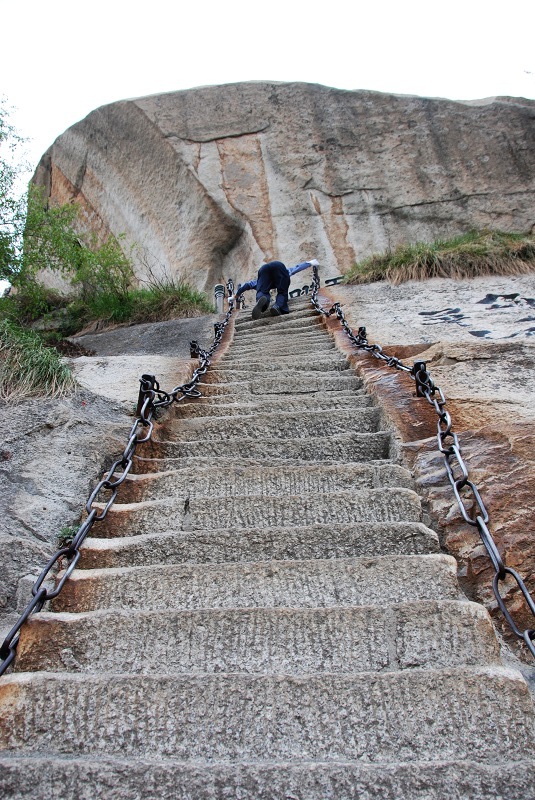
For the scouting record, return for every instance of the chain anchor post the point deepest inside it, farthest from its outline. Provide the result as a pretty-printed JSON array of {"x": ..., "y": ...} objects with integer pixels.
[
  {"x": 147, "y": 384},
  {"x": 419, "y": 371}
]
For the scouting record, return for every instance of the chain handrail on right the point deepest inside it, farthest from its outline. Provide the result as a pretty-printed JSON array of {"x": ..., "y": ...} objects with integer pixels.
[{"x": 466, "y": 493}]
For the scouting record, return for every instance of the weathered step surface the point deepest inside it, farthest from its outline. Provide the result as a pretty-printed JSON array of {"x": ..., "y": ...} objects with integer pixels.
[
  {"x": 258, "y": 544},
  {"x": 296, "y": 371},
  {"x": 256, "y": 365},
  {"x": 341, "y": 447},
  {"x": 270, "y": 619},
  {"x": 306, "y": 584},
  {"x": 261, "y": 640},
  {"x": 278, "y": 326},
  {"x": 284, "y": 383},
  {"x": 238, "y": 481},
  {"x": 205, "y": 513},
  {"x": 305, "y": 310},
  {"x": 131, "y": 779},
  {"x": 285, "y": 424},
  {"x": 284, "y": 339},
  {"x": 244, "y": 354},
  {"x": 328, "y": 401},
  {"x": 428, "y": 715},
  {"x": 249, "y": 346}
]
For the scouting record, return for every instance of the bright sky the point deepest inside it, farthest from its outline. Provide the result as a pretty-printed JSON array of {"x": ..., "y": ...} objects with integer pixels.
[{"x": 60, "y": 59}]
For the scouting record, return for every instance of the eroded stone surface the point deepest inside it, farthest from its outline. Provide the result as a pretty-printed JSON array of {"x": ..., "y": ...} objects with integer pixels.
[
  {"x": 269, "y": 617},
  {"x": 489, "y": 385},
  {"x": 212, "y": 181}
]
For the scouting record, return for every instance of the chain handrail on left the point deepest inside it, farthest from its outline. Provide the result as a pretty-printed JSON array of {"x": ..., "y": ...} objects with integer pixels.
[{"x": 151, "y": 397}]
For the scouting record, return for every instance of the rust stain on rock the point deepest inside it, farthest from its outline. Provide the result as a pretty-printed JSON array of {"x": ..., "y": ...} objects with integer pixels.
[
  {"x": 246, "y": 187},
  {"x": 499, "y": 451}
]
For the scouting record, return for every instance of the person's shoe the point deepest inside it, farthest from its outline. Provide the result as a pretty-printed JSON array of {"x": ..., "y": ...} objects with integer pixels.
[
  {"x": 275, "y": 311},
  {"x": 260, "y": 307}
]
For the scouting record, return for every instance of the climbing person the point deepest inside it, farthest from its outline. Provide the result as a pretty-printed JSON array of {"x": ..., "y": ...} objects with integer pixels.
[{"x": 273, "y": 275}]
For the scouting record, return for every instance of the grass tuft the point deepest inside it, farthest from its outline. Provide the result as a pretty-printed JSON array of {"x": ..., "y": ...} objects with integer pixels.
[
  {"x": 466, "y": 256},
  {"x": 28, "y": 368},
  {"x": 153, "y": 304}
]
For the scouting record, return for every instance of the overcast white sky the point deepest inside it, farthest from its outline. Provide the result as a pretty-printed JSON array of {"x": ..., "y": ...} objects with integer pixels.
[{"x": 60, "y": 59}]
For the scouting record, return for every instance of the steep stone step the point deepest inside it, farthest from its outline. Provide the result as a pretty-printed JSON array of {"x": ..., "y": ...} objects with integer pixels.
[
  {"x": 249, "y": 344},
  {"x": 288, "y": 372},
  {"x": 286, "y": 362},
  {"x": 250, "y": 511},
  {"x": 265, "y": 640},
  {"x": 328, "y": 401},
  {"x": 129, "y": 779},
  {"x": 286, "y": 383},
  {"x": 401, "y": 716},
  {"x": 342, "y": 447},
  {"x": 300, "y": 330},
  {"x": 256, "y": 544},
  {"x": 278, "y": 325},
  {"x": 240, "y": 635},
  {"x": 273, "y": 349},
  {"x": 306, "y": 584},
  {"x": 306, "y": 310},
  {"x": 238, "y": 481},
  {"x": 284, "y": 424}
]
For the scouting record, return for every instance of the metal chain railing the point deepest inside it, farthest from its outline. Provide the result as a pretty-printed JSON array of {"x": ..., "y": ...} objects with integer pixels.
[
  {"x": 151, "y": 398},
  {"x": 466, "y": 493}
]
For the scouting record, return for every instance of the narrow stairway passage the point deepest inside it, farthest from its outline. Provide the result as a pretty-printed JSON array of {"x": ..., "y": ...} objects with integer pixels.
[{"x": 264, "y": 614}]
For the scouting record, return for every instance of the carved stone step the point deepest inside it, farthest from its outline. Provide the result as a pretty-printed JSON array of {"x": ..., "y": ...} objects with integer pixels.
[
  {"x": 282, "y": 424},
  {"x": 304, "y": 310},
  {"x": 261, "y": 640},
  {"x": 283, "y": 362},
  {"x": 220, "y": 407},
  {"x": 341, "y": 447},
  {"x": 285, "y": 322},
  {"x": 287, "y": 383},
  {"x": 306, "y": 584},
  {"x": 413, "y": 715},
  {"x": 248, "y": 344},
  {"x": 256, "y": 544},
  {"x": 273, "y": 349},
  {"x": 239, "y": 481},
  {"x": 288, "y": 373},
  {"x": 282, "y": 330},
  {"x": 88, "y": 778},
  {"x": 250, "y": 511}
]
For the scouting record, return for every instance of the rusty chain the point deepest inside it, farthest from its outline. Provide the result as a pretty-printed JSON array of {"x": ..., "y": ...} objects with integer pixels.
[
  {"x": 151, "y": 398},
  {"x": 466, "y": 493}
]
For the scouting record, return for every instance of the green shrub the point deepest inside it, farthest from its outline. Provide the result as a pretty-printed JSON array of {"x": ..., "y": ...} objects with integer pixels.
[
  {"x": 101, "y": 274},
  {"x": 27, "y": 367},
  {"x": 465, "y": 256}
]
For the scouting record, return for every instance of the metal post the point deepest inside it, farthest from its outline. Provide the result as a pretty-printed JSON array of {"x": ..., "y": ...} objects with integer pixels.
[{"x": 219, "y": 292}]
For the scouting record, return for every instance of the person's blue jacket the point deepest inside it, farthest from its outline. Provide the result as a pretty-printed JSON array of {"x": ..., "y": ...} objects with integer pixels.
[{"x": 244, "y": 287}]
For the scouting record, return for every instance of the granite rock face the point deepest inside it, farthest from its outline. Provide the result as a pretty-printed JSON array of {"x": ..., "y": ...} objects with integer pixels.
[{"x": 210, "y": 182}]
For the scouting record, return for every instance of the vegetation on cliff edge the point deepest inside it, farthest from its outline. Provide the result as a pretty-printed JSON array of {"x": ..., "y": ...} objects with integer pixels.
[
  {"x": 465, "y": 256},
  {"x": 38, "y": 238},
  {"x": 27, "y": 367}
]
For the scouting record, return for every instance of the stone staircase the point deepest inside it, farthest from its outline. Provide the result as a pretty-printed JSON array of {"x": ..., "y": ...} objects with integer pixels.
[{"x": 265, "y": 616}]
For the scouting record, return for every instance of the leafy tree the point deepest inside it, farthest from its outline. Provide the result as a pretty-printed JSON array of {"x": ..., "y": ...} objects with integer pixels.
[{"x": 12, "y": 201}]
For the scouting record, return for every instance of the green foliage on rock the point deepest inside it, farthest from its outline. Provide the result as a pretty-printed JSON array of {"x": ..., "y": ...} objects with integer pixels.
[
  {"x": 38, "y": 239},
  {"x": 465, "y": 256},
  {"x": 100, "y": 274},
  {"x": 12, "y": 204},
  {"x": 27, "y": 367}
]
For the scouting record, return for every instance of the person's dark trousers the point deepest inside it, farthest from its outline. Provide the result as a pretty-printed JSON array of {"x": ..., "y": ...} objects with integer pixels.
[{"x": 274, "y": 275}]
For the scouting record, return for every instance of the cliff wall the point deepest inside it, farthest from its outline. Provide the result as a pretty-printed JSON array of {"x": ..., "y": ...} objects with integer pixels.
[{"x": 210, "y": 182}]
